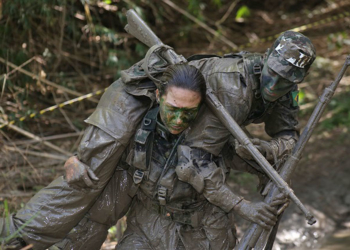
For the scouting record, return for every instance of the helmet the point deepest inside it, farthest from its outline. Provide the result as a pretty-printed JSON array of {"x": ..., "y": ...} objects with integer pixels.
[{"x": 291, "y": 56}]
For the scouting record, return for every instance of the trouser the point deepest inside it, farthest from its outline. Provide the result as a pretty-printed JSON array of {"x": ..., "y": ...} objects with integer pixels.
[
  {"x": 112, "y": 204},
  {"x": 135, "y": 242},
  {"x": 49, "y": 216}
]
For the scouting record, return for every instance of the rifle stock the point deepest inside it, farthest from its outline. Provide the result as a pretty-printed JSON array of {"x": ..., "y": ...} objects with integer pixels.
[
  {"x": 255, "y": 237},
  {"x": 139, "y": 29}
]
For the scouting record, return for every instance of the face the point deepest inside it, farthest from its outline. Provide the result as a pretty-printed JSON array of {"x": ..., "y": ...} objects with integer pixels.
[
  {"x": 273, "y": 86},
  {"x": 178, "y": 108}
]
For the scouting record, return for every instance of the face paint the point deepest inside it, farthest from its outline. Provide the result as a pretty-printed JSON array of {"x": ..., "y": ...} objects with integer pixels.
[
  {"x": 178, "y": 108},
  {"x": 273, "y": 86}
]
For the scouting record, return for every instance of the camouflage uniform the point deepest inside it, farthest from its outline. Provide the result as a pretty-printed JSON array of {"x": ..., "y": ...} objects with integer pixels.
[
  {"x": 236, "y": 83},
  {"x": 181, "y": 216},
  {"x": 237, "y": 87},
  {"x": 56, "y": 209}
]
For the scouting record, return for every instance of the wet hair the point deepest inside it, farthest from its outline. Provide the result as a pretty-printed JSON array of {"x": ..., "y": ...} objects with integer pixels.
[{"x": 183, "y": 76}]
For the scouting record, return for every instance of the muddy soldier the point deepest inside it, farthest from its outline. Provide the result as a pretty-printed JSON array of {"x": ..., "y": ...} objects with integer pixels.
[
  {"x": 276, "y": 107},
  {"x": 253, "y": 87}
]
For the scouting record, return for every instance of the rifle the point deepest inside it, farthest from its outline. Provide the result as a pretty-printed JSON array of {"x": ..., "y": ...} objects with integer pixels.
[
  {"x": 256, "y": 237},
  {"x": 142, "y": 32}
]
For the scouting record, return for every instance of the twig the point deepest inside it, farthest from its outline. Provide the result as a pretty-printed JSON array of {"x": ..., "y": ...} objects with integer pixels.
[
  {"x": 20, "y": 66},
  {"x": 17, "y": 194},
  {"x": 3, "y": 86},
  {"x": 40, "y": 78},
  {"x": 37, "y": 138},
  {"x": 48, "y": 138},
  {"x": 64, "y": 114},
  {"x": 203, "y": 25},
  {"x": 228, "y": 12},
  {"x": 82, "y": 60},
  {"x": 24, "y": 157},
  {"x": 34, "y": 153}
]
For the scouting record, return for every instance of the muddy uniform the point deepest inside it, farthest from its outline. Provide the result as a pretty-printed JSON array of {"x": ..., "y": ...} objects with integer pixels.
[
  {"x": 179, "y": 217},
  {"x": 237, "y": 87},
  {"x": 60, "y": 206},
  {"x": 56, "y": 209}
]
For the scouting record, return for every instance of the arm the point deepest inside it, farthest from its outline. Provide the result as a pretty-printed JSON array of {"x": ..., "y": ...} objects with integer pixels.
[
  {"x": 210, "y": 180},
  {"x": 281, "y": 124}
]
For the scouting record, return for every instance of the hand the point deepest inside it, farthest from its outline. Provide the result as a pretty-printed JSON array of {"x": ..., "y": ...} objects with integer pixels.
[
  {"x": 265, "y": 148},
  {"x": 260, "y": 213},
  {"x": 280, "y": 200},
  {"x": 79, "y": 174}
]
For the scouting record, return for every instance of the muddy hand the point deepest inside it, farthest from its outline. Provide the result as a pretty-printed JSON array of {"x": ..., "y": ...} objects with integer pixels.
[
  {"x": 258, "y": 212},
  {"x": 79, "y": 174},
  {"x": 280, "y": 200},
  {"x": 244, "y": 153}
]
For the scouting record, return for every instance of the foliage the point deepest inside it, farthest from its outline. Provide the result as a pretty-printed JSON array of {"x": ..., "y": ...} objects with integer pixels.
[
  {"x": 244, "y": 180},
  {"x": 338, "y": 112},
  {"x": 243, "y": 12},
  {"x": 337, "y": 40}
]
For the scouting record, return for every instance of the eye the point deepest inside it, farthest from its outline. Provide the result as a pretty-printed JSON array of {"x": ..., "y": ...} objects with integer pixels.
[{"x": 191, "y": 112}]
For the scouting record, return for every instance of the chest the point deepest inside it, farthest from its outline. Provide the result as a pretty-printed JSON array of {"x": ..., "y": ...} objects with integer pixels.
[{"x": 160, "y": 182}]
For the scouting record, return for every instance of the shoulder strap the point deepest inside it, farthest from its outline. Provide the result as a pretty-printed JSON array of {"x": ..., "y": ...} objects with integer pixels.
[
  {"x": 143, "y": 149},
  {"x": 253, "y": 63},
  {"x": 144, "y": 140}
]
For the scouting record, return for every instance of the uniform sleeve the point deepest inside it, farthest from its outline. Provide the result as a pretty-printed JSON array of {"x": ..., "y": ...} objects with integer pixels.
[
  {"x": 57, "y": 208},
  {"x": 207, "y": 132}
]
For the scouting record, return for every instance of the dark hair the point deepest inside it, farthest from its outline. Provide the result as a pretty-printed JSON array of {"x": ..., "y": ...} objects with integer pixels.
[{"x": 183, "y": 76}]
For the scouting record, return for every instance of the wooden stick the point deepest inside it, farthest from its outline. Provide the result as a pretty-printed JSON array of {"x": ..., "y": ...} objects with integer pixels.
[
  {"x": 47, "y": 138},
  {"x": 37, "y": 138},
  {"x": 34, "y": 153},
  {"x": 40, "y": 78}
]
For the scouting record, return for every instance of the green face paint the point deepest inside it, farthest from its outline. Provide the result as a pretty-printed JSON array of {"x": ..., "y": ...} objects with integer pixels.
[
  {"x": 176, "y": 119},
  {"x": 273, "y": 86}
]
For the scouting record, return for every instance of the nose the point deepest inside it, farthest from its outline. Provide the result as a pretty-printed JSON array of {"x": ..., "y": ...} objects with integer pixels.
[{"x": 179, "y": 119}]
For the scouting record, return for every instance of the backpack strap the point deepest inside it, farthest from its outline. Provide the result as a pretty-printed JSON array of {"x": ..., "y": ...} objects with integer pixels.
[
  {"x": 143, "y": 148},
  {"x": 253, "y": 63}
]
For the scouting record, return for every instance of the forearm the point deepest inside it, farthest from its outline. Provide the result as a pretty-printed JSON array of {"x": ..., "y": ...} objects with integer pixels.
[{"x": 57, "y": 208}]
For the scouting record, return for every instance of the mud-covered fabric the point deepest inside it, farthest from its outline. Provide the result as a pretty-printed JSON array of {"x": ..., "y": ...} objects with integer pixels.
[
  {"x": 152, "y": 226},
  {"x": 111, "y": 205},
  {"x": 225, "y": 77},
  {"x": 57, "y": 208},
  {"x": 230, "y": 83}
]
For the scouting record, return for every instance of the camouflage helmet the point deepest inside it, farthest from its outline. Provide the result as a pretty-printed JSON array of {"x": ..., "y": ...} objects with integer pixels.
[{"x": 291, "y": 56}]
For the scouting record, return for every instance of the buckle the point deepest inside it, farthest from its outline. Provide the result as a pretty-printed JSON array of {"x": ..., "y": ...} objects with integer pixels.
[
  {"x": 256, "y": 69},
  {"x": 138, "y": 176},
  {"x": 147, "y": 122},
  {"x": 162, "y": 195}
]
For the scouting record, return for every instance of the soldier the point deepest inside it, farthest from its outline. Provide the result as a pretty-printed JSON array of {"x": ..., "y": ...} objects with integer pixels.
[{"x": 252, "y": 88}]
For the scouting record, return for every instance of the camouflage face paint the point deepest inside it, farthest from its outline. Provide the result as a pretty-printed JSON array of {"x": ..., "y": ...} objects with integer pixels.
[
  {"x": 273, "y": 86},
  {"x": 178, "y": 110}
]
